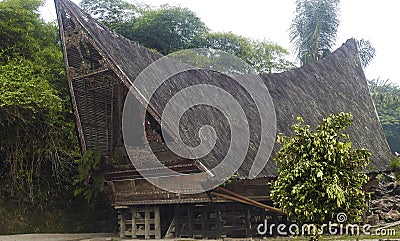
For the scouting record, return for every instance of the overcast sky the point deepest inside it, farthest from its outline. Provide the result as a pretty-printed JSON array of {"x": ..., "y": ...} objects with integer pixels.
[{"x": 270, "y": 19}]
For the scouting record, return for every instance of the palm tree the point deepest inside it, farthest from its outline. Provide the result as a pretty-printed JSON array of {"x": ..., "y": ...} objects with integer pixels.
[
  {"x": 313, "y": 30},
  {"x": 386, "y": 98},
  {"x": 385, "y": 94}
]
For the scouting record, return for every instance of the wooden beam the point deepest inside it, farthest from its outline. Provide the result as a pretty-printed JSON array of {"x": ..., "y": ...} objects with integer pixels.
[
  {"x": 231, "y": 198},
  {"x": 171, "y": 229},
  {"x": 90, "y": 74},
  {"x": 242, "y": 199}
]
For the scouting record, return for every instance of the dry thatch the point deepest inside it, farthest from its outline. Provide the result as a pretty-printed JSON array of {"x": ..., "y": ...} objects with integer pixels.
[
  {"x": 101, "y": 65},
  {"x": 332, "y": 85}
]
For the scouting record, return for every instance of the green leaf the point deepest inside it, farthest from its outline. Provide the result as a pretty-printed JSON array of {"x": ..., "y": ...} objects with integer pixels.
[{"x": 318, "y": 174}]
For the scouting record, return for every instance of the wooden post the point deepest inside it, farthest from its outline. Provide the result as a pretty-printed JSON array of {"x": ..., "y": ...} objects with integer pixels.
[
  {"x": 274, "y": 220},
  {"x": 122, "y": 226},
  {"x": 190, "y": 221},
  {"x": 204, "y": 224},
  {"x": 133, "y": 209},
  {"x": 248, "y": 224},
  {"x": 157, "y": 223},
  {"x": 177, "y": 222},
  {"x": 219, "y": 220},
  {"x": 118, "y": 134},
  {"x": 147, "y": 223}
]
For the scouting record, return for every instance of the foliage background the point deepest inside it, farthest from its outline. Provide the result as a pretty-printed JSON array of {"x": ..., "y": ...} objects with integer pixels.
[
  {"x": 38, "y": 143},
  {"x": 386, "y": 97}
]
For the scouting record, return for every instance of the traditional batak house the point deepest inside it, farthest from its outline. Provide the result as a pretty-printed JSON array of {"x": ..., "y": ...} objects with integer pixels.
[{"x": 101, "y": 65}]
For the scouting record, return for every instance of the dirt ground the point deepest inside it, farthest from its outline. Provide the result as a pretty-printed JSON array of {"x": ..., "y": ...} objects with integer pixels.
[
  {"x": 114, "y": 237},
  {"x": 60, "y": 237}
]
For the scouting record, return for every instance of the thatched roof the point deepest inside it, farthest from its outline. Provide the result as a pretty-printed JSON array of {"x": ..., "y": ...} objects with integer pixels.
[{"x": 334, "y": 84}]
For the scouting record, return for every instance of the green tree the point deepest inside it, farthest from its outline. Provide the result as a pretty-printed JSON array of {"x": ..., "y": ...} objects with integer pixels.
[
  {"x": 170, "y": 29},
  {"x": 167, "y": 29},
  {"x": 314, "y": 28},
  {"x": 213, "y": 59},
  {"x": 112, "y": 13},
  {"x": 36, "y": 127},
  {"x": 263, "y": 56},
  {"x": 313, "y": 31},
  {"x": 366, "y": 51},
  {"x": 386, "y": 98},
  {"x": 22, "y": 33},
  {"x": 268, "y": 57},
  {"x": 38, "y": 143},
  {"x": 118, "y": 15},
  {"x": 320, "y": 174},
  {"x": 227, "y": 42}
]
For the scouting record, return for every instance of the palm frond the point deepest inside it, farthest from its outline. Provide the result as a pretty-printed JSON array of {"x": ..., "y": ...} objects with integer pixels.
[{"x": 313, "y": 29}]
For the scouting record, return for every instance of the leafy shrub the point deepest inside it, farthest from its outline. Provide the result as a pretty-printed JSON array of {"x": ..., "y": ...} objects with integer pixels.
[
  {"x": 320, "y": 174},
  {"x": 394, "y": 166},
  {"x": 90, "y": 180}
]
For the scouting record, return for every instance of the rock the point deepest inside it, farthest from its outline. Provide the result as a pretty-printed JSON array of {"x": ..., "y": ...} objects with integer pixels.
[
  {"x": 371, "y": 186},
  {"x": 378, "y": 194},
  {"x": 391, "y": 199},
  {"x": 387, "y": 217},
  {"x": 396, "y": 190},
  {"x": 373, "y": 219},
  {"x": 385, "y": 203},
  {"x": 395, "y": 215},
  {"x": 390, "y": 186},
  {"x": 48, "y": 214}
]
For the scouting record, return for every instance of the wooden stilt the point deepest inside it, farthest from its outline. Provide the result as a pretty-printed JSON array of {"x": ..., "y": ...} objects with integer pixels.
[
  {"x": 147, "y": 223},
  {"x": 248, "y": 224},
  {"x": 190, "y": 221},
  {"x": 171, "y": 229},
  {"x": 122, "y": 226},
  {"x": 133, "y": 209},
  {"x": 177, "y": 222},
  {"x": 140, "y": 222},
  {"x": 157, "y": 223}
]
